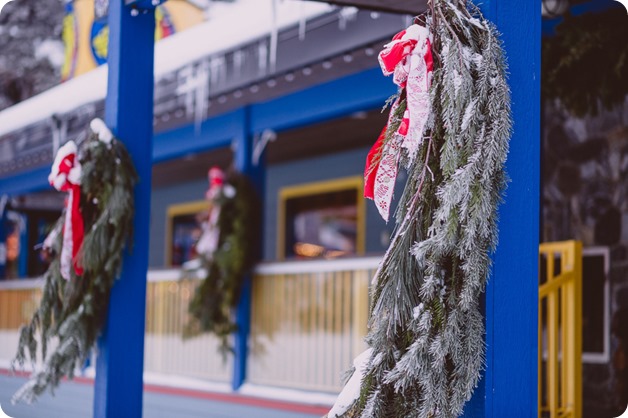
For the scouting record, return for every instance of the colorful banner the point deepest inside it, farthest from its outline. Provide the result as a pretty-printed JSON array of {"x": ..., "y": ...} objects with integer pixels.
[
  {"x": 70, "y": 40},
  {"x": 164, "y": 27}
]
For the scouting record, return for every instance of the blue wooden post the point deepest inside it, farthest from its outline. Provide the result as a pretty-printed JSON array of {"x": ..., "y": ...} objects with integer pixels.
[
  {"x": 129, "y": 113},
  {"x": 510, "y": 381},
  {"x": 3, "y": 235},
  {"x": 243, "y": 153}
]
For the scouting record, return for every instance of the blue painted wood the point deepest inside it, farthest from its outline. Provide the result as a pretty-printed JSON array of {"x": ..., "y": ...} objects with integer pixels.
[
  {"x": 362, "y": 91},
  {"x": 243, "y": 152},
  {"x": 216, "y": 132},
  {"x": 512, "y": 296},
  {"x": 22, "y": 260},
  {"x": 27, "y": 182},
  {"x": 129, "y": 113},
  {"x": 3, "y": 235}
]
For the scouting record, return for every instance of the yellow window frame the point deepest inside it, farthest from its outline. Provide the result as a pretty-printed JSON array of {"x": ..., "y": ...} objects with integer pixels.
[
  {"x": 320, "y": 187},
  {"x": 189, "y": 208}
]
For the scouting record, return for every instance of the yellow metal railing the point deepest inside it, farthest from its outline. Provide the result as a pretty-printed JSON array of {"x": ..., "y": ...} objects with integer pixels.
[{"x": 560, "y": 330}]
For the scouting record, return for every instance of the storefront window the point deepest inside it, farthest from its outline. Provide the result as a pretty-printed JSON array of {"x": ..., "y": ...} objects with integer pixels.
[
  {"x": 183, "y": 231},
  {"x": 322, "y": 220}
]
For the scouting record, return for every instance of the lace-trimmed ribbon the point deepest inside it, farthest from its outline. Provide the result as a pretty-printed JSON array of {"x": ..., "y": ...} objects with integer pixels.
[{"x": 408, "y": 57}]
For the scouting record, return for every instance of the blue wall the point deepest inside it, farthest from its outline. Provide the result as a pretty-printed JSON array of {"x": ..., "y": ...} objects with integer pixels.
[
  {"x": 161, "y": 198},
  {"x": 345, "y": 164}
]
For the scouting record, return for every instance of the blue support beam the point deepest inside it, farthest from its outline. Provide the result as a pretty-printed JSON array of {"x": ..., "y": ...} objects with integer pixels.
[
  {"x": 511, "y": 378},
  {"x": 216, "y": 132},
  {"x": 129, "y": 113},
  {"x": 243, "y": 153},
  {"x": 4, "y": 203},
  {"x": 26, "y": 182},
  {"x": 362, "y": 91}
]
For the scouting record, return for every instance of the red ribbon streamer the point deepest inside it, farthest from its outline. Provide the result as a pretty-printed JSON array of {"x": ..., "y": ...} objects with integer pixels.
[{"x": 74, "y": 214}]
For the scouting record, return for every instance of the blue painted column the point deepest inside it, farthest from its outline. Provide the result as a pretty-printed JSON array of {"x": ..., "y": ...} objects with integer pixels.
[
  {"x": 3, "y": 235},
  {"x": 510, "y": 381},
  {"x": 129, "y": 114},
  {"x": 243, "y": 162}
]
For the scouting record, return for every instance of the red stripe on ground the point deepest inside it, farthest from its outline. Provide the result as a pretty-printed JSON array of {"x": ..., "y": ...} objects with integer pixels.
[{"x": 213, "y": 396}]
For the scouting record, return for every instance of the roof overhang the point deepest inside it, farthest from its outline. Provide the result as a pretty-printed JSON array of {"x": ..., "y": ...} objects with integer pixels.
[{"x": 413, "y": 7}]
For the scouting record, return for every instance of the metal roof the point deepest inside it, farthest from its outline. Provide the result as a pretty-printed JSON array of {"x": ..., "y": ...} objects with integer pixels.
[{"x": 336, "y": 44}]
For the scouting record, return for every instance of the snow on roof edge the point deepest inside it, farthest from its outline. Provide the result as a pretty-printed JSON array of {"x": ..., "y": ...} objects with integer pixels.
[{"x": 253, "y": 21}]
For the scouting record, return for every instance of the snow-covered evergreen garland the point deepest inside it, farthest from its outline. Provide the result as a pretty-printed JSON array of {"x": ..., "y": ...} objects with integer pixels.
[
  {"x": 426, "y": 333},
  {"x": 227, "y": 251},
  {"x": 74, "y": 302}
]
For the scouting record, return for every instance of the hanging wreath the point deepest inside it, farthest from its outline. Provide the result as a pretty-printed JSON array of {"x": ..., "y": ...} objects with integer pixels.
[
  {"x": 227, "y": 251},
  {"x": 449, "y": 127},
  {"x": 86, "y": 249}
]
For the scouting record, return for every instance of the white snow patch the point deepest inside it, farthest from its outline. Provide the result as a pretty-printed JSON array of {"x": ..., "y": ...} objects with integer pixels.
[
  {"x": 174, "y": 381},
  {"x": 51, "y": 50},
  {"x": 63, "y": 98},
  {"x": 476, "y": 22},
  {"x": 351, "y": 392},
  {"x": 228, "y": 25},
  {"x": 99, "y": 127},
  {"x": 468, "y": 113},
  {"x": 416, "y": 311},
  {"x": 292, "y": 395}
]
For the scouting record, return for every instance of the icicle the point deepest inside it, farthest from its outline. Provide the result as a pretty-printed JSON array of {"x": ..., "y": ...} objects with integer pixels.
[
  {"x": 217, "y": 69},
  {"x": 274, "y": 34},
  {"x": 238, "y": 62},
  {"x": 302, "y": 21},
  {"x": 346, "y": 14},
  {"x": 262, "y": 54},
  {"x": 201, "y": 91},
  {"x": 59, "y": 127},
  {"x": 185, "y": 88},
  {"x": 195, "y": 88}
]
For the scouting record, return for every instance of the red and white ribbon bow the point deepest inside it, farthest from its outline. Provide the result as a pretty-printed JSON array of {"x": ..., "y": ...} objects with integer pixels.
[
  {"x": 65, "y": 176},
  {"x": 408, "y": 57},
  {"x": 216, "y": 178},
  {"x": 208, "y": 242}
]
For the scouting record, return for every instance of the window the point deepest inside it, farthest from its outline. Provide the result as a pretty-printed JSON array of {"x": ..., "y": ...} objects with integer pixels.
[
  {"x": 324, "y": 219},
  {"x": 21, "y": 255},
  {"x": 183, "y": 229},
  {"x": 595, "y": 305}
]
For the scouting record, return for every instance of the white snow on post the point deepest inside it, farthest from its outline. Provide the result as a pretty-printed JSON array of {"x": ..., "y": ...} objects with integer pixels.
[
  {"x": 351, "y": 391},
  {"x": 99, "y": 127},
  {"x": 228, "y": 26}
]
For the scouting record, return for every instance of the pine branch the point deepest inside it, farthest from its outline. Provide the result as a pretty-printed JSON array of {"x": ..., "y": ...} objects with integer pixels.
[
  {"x": 426, "y": 328},
  {"x": 74, "y": 311}
]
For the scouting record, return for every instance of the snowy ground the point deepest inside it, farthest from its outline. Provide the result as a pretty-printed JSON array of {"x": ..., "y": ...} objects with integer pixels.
[{"x": 74, "y": 400}]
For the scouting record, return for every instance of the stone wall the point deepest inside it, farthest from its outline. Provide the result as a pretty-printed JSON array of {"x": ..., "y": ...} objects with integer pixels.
[{"x": 585, "y": 197}]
